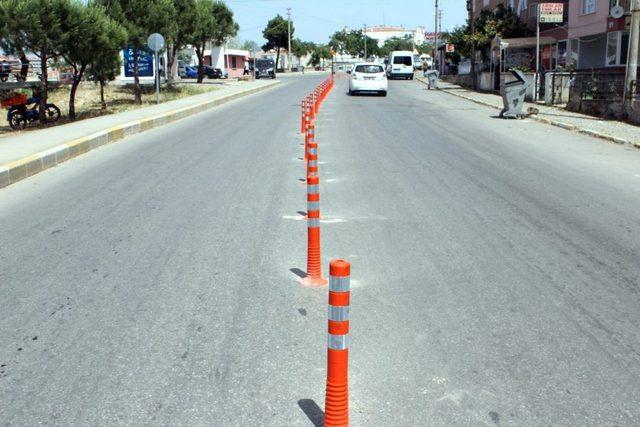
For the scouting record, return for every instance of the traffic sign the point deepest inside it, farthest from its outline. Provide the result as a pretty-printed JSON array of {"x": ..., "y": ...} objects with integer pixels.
[
  {"x": 551, "y": 13},
  {"x": 155, "y": 42}
]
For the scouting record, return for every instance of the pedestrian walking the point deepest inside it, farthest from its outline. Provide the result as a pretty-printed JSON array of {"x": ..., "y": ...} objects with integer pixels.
[{"x": 246, "y": 68}]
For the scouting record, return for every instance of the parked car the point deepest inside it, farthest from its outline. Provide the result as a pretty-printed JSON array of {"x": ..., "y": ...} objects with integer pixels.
[
  {"x": 190, "y": 73},
  {"x": 265, "y": 68},
  {"x": 214, "y": 73},
  {"x": 368, "y": 77},
  {"x": 400, "y": 64}
]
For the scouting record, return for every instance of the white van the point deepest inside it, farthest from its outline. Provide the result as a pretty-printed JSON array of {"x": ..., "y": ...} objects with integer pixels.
[{"x": 400, "y": 64}]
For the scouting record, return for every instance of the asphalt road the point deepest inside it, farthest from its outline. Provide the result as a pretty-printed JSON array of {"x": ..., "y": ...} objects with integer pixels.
[{"x": 495, "y": 271}]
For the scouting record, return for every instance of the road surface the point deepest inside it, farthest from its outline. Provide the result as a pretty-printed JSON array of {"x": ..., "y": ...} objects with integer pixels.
[{"x": 495, "y": 271}]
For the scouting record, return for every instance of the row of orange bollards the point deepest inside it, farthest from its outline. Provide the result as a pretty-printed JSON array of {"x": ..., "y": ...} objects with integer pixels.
[{"x": 337, "y": 386}]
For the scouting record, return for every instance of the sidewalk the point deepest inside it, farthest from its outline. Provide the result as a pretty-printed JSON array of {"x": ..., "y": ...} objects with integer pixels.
[
  {"x": 26, "y": 153},
  {"x": 611, "y": 130}
]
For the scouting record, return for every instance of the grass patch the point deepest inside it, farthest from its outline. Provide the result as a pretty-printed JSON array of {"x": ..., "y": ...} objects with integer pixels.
[{"x": 118, "y": 98}]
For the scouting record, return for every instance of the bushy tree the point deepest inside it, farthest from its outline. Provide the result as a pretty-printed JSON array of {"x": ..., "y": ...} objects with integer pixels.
[
  {"x": 105, "y": 64},
  {"x": 319, "y": 55},
  {"x": 300, "y": 48},
  {"x": 88, "y": 33},
  {"x": 185, "y": 26},
  {"x": 396, "y": 43},
  {"x": 141, "y": 18},
  {"x": 277, "y": 35},
  {"x": 213, "y": 23},
  {"x": 352, "y": 43},
  {"x": 36, "y": 26},
  {"x": 502, "y": 21}
]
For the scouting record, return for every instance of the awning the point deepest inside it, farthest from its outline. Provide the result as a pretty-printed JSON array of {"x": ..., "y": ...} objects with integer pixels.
[{"x": 525, "y": 42}]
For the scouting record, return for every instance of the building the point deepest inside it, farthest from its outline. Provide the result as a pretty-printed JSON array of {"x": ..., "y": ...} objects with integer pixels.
[
  {"x": 588, "y": 39},
  {"x": 597, "y": 40},
  {"x": 383, "y": 33},
  {"x": 230, "y": 60}
]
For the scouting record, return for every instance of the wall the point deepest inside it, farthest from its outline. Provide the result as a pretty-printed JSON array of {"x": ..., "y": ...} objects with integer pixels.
[{"x": 585, "y": 25}]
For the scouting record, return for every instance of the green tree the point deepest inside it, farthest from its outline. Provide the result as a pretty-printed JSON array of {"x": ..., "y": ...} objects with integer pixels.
[
  {"x": 250, "y": 45},
  {"x": 396, "y": 43},
  {"x": 319, "y": 55},
  {"x": 185, "y": 26},
  {"x": 36, "y": 26},
  {"x": 141, "y": 18},
  {"x": 353, "y": 42},
  {"x": 300, "y": 48},
  {"x": 213, "y": 23},
  {"x": 277, "y": 35},
  {"x": 87, "y": 33},
  {"x": 105, "y": 63},
  {"x": 502, "y": 21}
]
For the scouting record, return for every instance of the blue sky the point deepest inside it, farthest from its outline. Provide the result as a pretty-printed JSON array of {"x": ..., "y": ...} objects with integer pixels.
[{"x": 316, "y": 20}]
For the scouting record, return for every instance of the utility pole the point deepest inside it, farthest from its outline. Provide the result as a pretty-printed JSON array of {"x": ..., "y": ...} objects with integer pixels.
[
  {"x": 471, "y": 7},
  {"x": 364, "y": 33},
  {"x": 631, "y": 75},
  {"x": 289, "y": 48},
  {"x": 435, "y": 41}
]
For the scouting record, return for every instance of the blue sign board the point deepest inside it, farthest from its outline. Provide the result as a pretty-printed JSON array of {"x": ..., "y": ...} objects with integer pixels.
[{"x": 145, "y": 63}]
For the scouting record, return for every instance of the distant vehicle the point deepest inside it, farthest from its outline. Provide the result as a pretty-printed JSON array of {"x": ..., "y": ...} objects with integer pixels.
[
  {"x": 417, "y": 64},
  {"x": 368, "y": 77},
  {"x": 400, "y": 64},
  {"x": 214, "y": 73},
  {"x": 190, "y": 73},
  {"x": 265, "y": 68}
]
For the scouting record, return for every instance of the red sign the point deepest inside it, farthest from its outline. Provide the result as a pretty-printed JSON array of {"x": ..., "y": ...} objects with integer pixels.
[
  {"x": 451, "y": 48},
  {"x": 551, "y": 13},
  {"x": 617, "y": 24}
]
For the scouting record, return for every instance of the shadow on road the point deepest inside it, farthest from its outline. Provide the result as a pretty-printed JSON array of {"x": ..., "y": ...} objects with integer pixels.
[
  {"x": 301, "y": 274},
  {"x": 312, "y": 411}
]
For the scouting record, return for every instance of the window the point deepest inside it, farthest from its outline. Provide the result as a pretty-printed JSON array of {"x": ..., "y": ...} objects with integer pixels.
[
  {"x": 233, "y": 62},
  {"x": 574, "y": 45},
  {"x": 522, "y": 6},
  {"x": 588, "y": 6},
  {"x": 561, "y": 53},
  {"x": 369, "y": 69},
  {"x": 617, "y": 46},
  {"x": 404, "y": 60}
]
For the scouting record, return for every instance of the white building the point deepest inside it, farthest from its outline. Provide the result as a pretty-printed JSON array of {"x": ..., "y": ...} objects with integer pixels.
[{"x": 383, "y": 33}]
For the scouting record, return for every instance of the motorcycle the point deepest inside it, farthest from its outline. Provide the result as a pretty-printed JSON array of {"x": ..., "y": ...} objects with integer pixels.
[{"x": 19, "y": 113}]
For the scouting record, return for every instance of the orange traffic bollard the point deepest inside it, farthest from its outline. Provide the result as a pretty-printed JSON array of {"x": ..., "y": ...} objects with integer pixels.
[
  {"x": 303, "y": 117},
  {"x": 314, "y": 268},
  {"x": 312, "y": 157},
  {"x": 336, "y": 406},
  {"x": 310, "y": 135}
]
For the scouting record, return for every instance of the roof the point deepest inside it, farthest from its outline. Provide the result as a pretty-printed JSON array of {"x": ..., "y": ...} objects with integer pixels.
[
  {"x": 238, "y": 52},
  {"x": 524, "y": 42},
  {"x": 389, "y": 29}
]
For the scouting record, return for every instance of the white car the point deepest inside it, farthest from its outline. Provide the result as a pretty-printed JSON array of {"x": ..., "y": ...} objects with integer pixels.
[{"x": 368, "y": 77}]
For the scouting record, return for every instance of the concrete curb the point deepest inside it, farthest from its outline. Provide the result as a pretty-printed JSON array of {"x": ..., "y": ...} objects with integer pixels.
[
  {"x": 18, "y": 170},
  {"x": 551, "y": 122}
]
